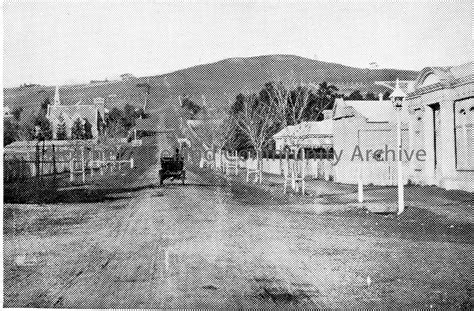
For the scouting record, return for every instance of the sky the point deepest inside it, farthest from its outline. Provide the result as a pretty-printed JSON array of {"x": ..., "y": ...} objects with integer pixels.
[{"x": 77, "y": 41}]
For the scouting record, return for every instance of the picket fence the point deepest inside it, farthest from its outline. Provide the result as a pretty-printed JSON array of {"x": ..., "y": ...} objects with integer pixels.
[{"x": 314, "y": 168}]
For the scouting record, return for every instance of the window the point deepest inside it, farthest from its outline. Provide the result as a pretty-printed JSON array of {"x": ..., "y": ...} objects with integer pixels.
[{"x": 464, "y": 133}]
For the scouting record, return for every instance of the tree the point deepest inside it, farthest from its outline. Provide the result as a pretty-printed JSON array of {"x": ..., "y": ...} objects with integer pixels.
[
  {"x": 140, "y": 113},
  {"x": 147, "y": 87},
  {"x": 223, "y": 133},
  {"x": 191, "y": 109},
  {"x": 114, "y": 123},
  {"x": 100, "y": 124},
  {"x": 386, "y": 95},
  {"x": 61, "y": 133},
  {"x": 115, "y": 115},
  {"x": 325, "y": 96},
  {"x": 26, "y": 125},
  {"x": 87, "y": 129},
  {"x": 17, "y": 113},
  {"x": 10, "y": 132},
  {"x": 278, "y": 95},
  {"x": 355, "y": 95},
  {"x": 45, "y": 104},
  {"x": 290, "y": 105},
  {"x": 257, "y": 119},
  {"x": 299, "y": 103},
  {"x": 77, "y": 129},
  {"x": 370, "y": 96},
  {"x": 213, "y": 132},
  {"x": 129, "y": 115},
  {"x": 45, "y": 130}
]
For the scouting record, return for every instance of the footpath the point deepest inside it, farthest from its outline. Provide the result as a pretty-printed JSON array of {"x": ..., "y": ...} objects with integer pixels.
[{"x": 454, "y": 204}]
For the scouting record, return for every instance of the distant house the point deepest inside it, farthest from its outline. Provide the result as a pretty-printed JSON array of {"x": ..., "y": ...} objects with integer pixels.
[
  {"x": 98, "y": 101},
  {"x": 99, "y": 81},
  {"x": 7, "y": 112},
  {"x": 127, "y": 76},
  {"x": 58, "y": 114},
  {"x": 441, "y": 107},
  {"x": 360, "y": 129},
  {"x": 309, "y": 135},
  {"x": 285, "y": 137}
]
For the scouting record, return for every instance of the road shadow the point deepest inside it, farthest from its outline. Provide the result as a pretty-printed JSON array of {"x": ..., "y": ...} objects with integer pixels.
[{"x": 71, "y": 194}]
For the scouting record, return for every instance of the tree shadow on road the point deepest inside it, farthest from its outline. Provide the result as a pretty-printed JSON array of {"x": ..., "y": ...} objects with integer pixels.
[{"x": 83, "y": 194}]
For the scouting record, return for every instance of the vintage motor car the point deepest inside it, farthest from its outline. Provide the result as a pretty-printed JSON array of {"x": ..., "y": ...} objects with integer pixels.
[{"x": 173, "y": 168}]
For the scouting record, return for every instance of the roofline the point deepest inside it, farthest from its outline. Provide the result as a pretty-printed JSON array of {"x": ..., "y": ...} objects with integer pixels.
[
  {"x": 446, "y": 81},
  {"x": 440, "y": 86}
]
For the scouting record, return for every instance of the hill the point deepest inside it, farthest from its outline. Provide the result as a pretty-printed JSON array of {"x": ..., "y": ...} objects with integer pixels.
[{"x": 219, "y": 82}]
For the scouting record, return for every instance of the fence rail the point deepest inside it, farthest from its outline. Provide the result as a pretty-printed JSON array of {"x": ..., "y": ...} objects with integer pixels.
[{"x": 41, "y": 160}]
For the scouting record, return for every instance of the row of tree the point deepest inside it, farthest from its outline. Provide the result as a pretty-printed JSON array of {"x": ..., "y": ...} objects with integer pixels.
[
  {"x": 255, "y": 117},
  {"x": 32, "y": 124},
  {"x": 26, "y": 125},
  {"x": 119, "y": 122},
  {"x": 357, "y": 95}
]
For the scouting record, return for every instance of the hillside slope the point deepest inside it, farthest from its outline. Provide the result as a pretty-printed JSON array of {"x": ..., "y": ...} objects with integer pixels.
[{"x": 218, "y": 82}]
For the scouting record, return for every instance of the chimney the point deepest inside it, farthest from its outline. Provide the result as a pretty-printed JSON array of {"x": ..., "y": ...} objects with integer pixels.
[
  {"x": 328, "y": 114},
  {"x": 380, "y": 96}
]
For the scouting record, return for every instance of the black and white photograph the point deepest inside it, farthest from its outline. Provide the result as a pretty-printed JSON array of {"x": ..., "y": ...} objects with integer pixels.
[{"x": 238, "y": 155}]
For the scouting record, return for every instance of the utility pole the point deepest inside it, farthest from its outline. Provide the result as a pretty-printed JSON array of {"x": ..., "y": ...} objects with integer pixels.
[
  {"x": 397, "y": 98},
  {"x": 147, "y": 87}
]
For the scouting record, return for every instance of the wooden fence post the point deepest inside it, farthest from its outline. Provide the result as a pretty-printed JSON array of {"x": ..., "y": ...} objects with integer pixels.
[
  {"x": 118, "y": 157},
  {"x": 24, "y": 176},
  {"x": 37, "y": 160},
  {"x": 236, "y": 164},
  {"x": 101, "y": 155},
  {"x": 83, "y": 162},
  {"x": 31, "y": 163},
  {"x": 71, "y": 167},
  {"x": 42, "y": 162},
  {"x": 92, "y": 161},
  {"x": 110, "y": 161},
  {"x": 54, "y": 165},
  {"x": 360, "y": 185}
]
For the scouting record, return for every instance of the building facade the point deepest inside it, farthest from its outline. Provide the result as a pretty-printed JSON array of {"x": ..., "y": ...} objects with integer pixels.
[
  {"x": 441, "y": 114},
  {"x": 365, "y": 142},
  {"x": 308, "y": 135},
  {"x": 316, "y": 135},
  {"x": 59, "y": 114}
]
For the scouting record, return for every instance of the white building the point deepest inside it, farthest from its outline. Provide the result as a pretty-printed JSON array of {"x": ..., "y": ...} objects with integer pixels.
[
  {"x": 314, "y": 135},
  {"x": 364, "y": 128},
  {"x": 441, "y": 107},
  {"x": 67, "y": 114},
  {"x": 285, "y": 137}
]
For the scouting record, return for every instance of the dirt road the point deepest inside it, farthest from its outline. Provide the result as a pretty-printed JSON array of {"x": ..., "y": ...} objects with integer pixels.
[{"x": 214, "y": 244}]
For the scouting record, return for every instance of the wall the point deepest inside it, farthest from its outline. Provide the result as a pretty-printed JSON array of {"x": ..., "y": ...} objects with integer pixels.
[
  {"x": 314, "y": 168},
  {"x": 354, "y": 134},
  {"x": 445, "y": 172}
]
